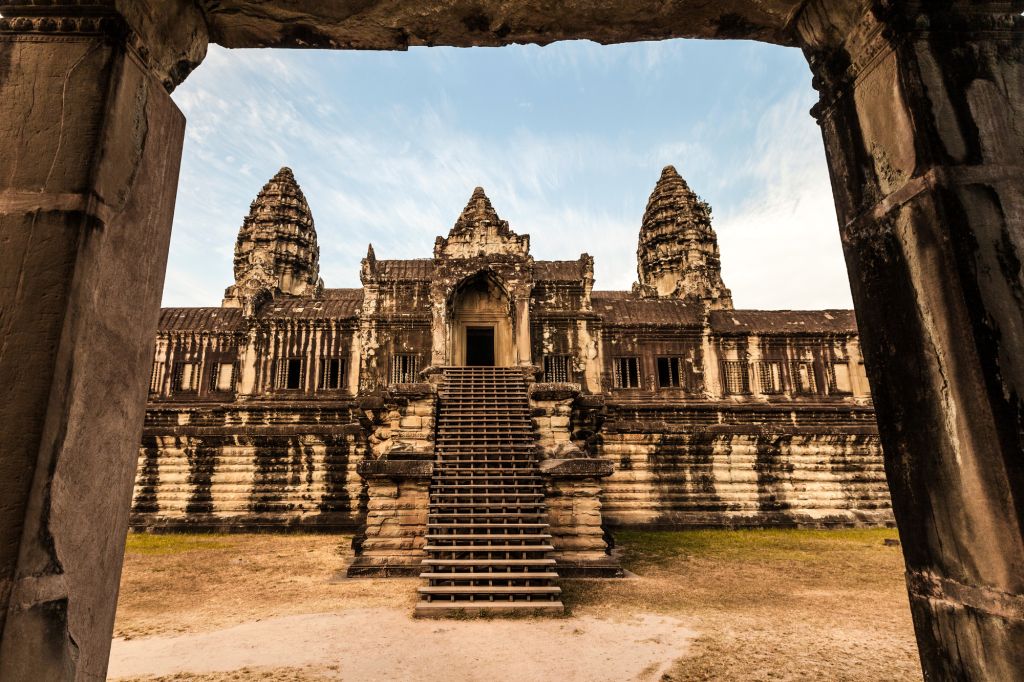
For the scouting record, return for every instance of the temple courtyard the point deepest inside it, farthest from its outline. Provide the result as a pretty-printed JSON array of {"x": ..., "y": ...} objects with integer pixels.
[{"x": 702, "y": 605}]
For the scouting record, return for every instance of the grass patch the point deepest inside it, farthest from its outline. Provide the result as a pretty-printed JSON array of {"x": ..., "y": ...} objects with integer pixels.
[
  {"x": 805, "y": 546},
  {"x": 149, "y": 544}
]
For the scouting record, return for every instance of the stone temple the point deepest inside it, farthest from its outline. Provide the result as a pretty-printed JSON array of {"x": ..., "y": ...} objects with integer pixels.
[{"x": 298, "y": 407}]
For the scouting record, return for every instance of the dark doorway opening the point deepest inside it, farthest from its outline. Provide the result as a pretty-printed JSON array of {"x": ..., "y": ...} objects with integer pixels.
[{"x": 480, "y": 346}]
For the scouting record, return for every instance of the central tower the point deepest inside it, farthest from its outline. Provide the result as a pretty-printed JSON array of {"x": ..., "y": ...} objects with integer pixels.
[
  {"x": 678, "y": 251},
  {"x": 480, "y": 291}
]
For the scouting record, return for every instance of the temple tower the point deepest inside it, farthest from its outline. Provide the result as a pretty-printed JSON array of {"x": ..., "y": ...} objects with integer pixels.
[
  {"x": 479, "y": 233},
  {"x": 678, "y": 251},
  {"x": 276, "y": 253}
]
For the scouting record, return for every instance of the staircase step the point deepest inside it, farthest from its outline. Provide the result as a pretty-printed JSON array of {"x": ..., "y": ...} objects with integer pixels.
[
  {"x": 483, "y": 575},
  {"x": 485, "y": 461},
  {"x": 486, "y": 589}
]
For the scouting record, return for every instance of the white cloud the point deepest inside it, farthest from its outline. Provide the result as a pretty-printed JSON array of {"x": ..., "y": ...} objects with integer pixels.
[
  {"x": 780, "y": 248},
  {"x": 398, "y": 173}
]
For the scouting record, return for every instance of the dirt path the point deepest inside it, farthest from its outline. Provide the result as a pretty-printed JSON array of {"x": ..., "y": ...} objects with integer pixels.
[{"x": 386, "y": 644}]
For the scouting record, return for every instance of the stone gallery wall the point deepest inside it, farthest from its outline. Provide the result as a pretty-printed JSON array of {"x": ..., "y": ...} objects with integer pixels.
[
  {"x": 672, "y": 476},
  {"x": 284, "y": 467}
]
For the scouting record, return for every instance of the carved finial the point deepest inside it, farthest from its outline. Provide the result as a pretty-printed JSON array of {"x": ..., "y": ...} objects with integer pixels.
[{"x": 370, "y": 255}]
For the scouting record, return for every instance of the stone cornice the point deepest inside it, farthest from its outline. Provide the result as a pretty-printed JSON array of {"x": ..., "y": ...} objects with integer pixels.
[
  {"x": 168, "y": 38},
  {"x": 842, "y": 47}
]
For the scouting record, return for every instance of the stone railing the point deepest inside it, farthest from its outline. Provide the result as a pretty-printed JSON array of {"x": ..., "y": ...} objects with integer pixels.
[
  {"x": 401, "y": 424},
  {"x": 572, "y": 488},
  {"x": 391, "y": 543}
]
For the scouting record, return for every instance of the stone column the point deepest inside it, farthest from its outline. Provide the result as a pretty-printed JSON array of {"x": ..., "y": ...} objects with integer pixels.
[
  {"x": 90, "y": 144},
  {"x": 523, "y": 351},
  {"x": 922, "y": 113}
]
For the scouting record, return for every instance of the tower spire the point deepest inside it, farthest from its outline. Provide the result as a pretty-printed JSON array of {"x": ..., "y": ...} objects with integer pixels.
[
  {"x": 276, "y": 253},
  {"x": 678, "y": 254}
]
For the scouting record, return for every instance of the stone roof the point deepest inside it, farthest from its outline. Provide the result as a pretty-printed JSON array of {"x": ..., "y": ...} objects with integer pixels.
[
  {"x": 343, "y": 293},
  {"x": 783, "y": 322},
  {"x": 612, "y": 294},
  {"x": 652, "y": 312},
  {"x": 312, "y": 309},
  {"x": 418, "y": 268},
  {"x": 557, "y": 271},
  {"x": 200, "y": 319},
  {"x": 337, "y": 304}
]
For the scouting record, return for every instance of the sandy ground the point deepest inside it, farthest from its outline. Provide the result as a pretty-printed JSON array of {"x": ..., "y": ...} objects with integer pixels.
[
  {"x": 792, "y": 606},
  {"x": 385, "y": 644}
]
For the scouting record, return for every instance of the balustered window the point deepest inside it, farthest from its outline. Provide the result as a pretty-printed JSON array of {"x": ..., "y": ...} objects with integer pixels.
[
  {"x": 291, "y": 373},
  {"x": 332, "y": 374},
  {"x": 736, "y": 377},
  {"x": 222, "y": 376},
  {"x": 155, "y": 378},
  {"x": 671, "y": 372},
  {"x": 769, "y": 377},
  {"x": 404, "y": 369},
  {"x": 839, "y": 380},
  {"x": 862, "y": 379},
  {"x": 803, "y": 377},
  {"x": 186, "y": 377},
  {"x": 627, "y": 373},
  {"x": 556, "y": 369}
]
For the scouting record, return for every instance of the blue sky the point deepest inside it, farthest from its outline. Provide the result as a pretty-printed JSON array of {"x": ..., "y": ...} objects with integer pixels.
[{"x": 568, "y": 141}]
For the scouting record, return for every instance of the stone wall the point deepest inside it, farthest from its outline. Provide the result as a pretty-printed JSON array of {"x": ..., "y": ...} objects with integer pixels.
[
  {"x": 250, "y": 468},
  {"x": 673, "y": 476}
]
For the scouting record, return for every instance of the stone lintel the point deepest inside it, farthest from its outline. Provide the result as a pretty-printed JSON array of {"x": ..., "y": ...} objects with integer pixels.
[
  {"x": 577, "y": 468},
  {"x": 559, "y": 391},
  {"x": 395, "y": 469}
]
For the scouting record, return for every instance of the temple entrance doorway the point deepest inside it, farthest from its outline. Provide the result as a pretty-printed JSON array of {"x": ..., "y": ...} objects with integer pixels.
[
  {"x": 480, "y": 346},
  {"x": 481, "y": 328}
]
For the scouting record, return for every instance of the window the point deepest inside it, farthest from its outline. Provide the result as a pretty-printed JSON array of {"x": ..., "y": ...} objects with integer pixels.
[
  {"x": 291, "y": 373},
  {"x": 185, "y": 376},
  {"x": 670, "y": 372},
  {"x": 404, "y": 368},
  {"x": 155, "y": 377},
  {"x": 862, "y": 377},
  {"x": 839, "y": 378},
  {"x": 332, "y": 373},
  {"x": 803, "y": 377},
  {"x": 556, "y": 369},
  {"x": 627, "y": 372},
  {"x": 735, "y": 377},
  {"x": 769, "y": 377},
  {"x": 222, "y": 376}
]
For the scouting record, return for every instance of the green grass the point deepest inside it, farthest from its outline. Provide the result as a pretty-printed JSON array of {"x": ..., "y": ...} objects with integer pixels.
[
  {"x": 163, "y": 545},
  {"x": 805, "y": 546}
]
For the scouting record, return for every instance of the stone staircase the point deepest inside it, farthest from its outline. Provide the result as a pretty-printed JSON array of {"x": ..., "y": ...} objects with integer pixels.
[{"x": 487, "y": 539}]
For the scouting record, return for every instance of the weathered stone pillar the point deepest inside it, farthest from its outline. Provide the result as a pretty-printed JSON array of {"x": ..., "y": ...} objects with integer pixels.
[
  {"x": 523, "y": 352},
  {"x": 391, "y": 544},
  {"x": 90, "y": 144},
  {"x": 922, "y": 113}
]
